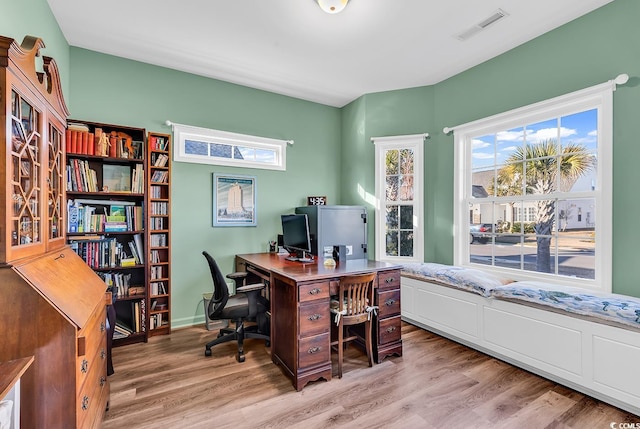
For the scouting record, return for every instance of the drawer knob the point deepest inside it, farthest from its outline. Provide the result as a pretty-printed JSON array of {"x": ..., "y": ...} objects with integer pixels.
[
  {"x": 102, "y": 381},
  {"x": 314, "y": 291},
  {"x": 84, "y": 366},
  {"x": 102, "y": 327},
  {"x": 389, "y": 302},
  {"x": 103, "y": 354},
  {"x": 85, "y": 403},
  {"x": 389, "y": 280},
  {"x": 314, "y": 317},
  {"x": 313, "y": 350},
  {"x": 390, "y": 329}
]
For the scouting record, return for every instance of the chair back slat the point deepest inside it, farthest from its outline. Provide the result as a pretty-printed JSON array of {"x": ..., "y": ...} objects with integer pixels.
[{"x": 356, "y": 294}]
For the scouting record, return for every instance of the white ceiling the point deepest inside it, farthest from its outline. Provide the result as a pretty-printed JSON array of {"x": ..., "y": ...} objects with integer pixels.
[{"x": 292, "y": 47}]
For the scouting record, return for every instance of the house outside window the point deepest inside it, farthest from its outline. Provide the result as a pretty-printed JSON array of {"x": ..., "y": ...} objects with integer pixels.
[
  {"x": 399, "y": 202},
  {"x": 542, "y": 167}
]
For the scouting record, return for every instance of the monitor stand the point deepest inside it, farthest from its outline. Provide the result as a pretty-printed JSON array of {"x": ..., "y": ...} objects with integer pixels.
[{"x": 303, "y": 258}]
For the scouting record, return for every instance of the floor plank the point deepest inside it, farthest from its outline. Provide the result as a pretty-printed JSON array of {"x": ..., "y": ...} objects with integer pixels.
[{"x": 169, "y": 383}]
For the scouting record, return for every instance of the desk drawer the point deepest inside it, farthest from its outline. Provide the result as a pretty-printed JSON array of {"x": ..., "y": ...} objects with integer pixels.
[
  {"x": 389, "y": 330},
  {"x": 388, "y": 303},
  {"x": 315, "y": 318},
  {"x": 314, "y": 351},
  {"x": 389, "y": 279},
  {"x": 311, "y": 291}
]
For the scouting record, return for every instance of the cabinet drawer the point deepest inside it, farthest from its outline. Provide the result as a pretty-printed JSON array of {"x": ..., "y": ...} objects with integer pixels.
[
  {"x": 388, "y": 303},
  {"x": 389, "y": 279},
  {"x": 311, "y": 291},
  {"x": 87, "y": 365},
  {"x": 389, "y": 330},
  {"x": 89, "y": 392},
  {"x": 315, "y": 318},
  {"x": 314, "y": 351},
  {"x": 93, "y": 333}
]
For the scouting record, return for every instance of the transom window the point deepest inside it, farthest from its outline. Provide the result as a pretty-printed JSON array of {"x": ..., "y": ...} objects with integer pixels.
[
  {"x": 399, "y": 226},
  {"x": 207, "y": 146},
  {"x": 533, "y": 191}
]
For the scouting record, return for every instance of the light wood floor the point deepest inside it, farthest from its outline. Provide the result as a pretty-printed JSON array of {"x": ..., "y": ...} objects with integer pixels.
[{"x": 169, "y": 383}]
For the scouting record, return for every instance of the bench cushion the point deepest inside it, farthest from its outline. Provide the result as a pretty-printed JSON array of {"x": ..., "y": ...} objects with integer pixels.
[
  {"x": 606, "y": 307},
  {"x": 469, "y": 279}
]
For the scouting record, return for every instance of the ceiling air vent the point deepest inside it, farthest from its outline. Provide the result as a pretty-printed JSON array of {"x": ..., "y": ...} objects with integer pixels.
[{"x": 495, "y": 17}]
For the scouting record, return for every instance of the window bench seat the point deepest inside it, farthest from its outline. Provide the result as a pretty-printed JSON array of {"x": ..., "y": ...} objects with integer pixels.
[{"x": 587, "y": 341}]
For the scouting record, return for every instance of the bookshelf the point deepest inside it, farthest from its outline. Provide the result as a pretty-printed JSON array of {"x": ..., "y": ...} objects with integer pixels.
[
  {"x": 106, "y": 207},
  {"x": 158, "y": 232}
]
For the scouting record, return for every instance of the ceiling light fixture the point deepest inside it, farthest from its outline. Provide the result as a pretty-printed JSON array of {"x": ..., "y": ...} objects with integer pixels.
[{"x": 332, "y": 6}]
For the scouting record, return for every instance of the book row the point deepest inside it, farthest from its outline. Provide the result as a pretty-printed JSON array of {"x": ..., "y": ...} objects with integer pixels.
[
  {"x": 160, "y": 176},
  {"x": 159, "y": 159},
  {"x": 103, "y": 218},
  {"x": 159, "y": 208},
  {"x": 158, "y": 288},
  {"x": 123, "y": 329},
  {"x": 114, "y": 144},
  {"x": 80, "y": 177},
  {"x": 109, "y": 252},
  {"x": 120, "y": 284},
  {"x": 158, "y": 240},
  {"x": 158, "y": 143},
  {"x": 157, "y": 272}
]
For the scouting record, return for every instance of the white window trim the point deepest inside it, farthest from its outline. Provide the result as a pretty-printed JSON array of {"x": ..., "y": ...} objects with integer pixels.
[
  {"x": 598, "y": 96},
  {"x": 182, "y": 133},
  {"x": 415, "y": 142}
]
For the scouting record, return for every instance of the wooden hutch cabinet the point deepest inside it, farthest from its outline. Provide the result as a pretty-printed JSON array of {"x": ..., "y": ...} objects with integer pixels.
[{"x": 53, "y": 307}]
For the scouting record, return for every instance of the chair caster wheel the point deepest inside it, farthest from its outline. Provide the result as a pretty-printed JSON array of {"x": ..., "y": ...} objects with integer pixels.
[
  {"x": 207, "y": 352},
  {"x": 240, "y": 358},
  {"x": 267, "y": 343}
]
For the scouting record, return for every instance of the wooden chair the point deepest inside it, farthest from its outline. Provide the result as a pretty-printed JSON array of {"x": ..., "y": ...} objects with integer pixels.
[{"x": 353, "y": 306}]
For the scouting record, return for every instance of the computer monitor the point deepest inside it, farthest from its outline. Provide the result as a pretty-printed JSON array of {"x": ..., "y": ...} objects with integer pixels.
[{"x": 295, "y": 235}]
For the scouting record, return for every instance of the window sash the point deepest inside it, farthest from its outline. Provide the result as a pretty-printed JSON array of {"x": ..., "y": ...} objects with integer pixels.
[
  {"x": 215, "y": 147},
  {"x": 382, "y": 146},
  {"x": 598, "y": 97}
]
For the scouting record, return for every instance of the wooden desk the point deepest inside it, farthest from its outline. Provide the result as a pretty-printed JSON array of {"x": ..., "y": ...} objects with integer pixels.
[{"x": 300, "y": 316}]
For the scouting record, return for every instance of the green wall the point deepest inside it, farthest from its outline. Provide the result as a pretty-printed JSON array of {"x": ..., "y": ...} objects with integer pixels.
[
  {"x": 34, "y": 18},
  {"x": 590, "y": 50},
  {"x": 333, "y": 154},
  {"x": 118, "y": 91}
]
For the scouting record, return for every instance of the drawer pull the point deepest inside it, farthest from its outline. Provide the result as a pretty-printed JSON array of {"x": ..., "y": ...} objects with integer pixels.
[
  {"x": 390, "y": 329},
  {"x": 102, "y": 327},
  {"x": 313, "y": 350},
  {"x": 314, "y": 317},
  {"x": 85, "y": 403},
  {"x": 314, "y": 291},
  {"x": 103, "y": 381},
  {"x": 103, "y": 354},
  {"x": 389, "y": 280},
  {"x": 84, "y": 366},
  {"x": 389, "y": 302}
]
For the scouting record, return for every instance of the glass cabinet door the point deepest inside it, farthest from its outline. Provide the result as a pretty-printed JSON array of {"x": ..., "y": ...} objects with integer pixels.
[
  {"x": 55, "y": 175},
  {"x": 25, "y": 223}
]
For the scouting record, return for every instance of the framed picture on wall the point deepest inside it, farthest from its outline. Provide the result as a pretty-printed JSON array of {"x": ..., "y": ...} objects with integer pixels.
[{"x": 234, "y": 200}]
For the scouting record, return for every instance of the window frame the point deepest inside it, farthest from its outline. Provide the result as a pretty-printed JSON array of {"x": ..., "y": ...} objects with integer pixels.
[
  {"x": 382, "y": 144},
  {"x": 598, "y": 97},
  {"x": 182, "y": 133}
]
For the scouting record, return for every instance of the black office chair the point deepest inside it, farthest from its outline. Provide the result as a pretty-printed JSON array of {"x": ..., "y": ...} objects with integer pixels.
[{"x": 247, "y": 304}]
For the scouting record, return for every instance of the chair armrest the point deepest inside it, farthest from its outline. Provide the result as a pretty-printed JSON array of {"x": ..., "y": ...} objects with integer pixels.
[
  {"x": 250, "y": 288},
  {"x": 237, "y": 275}
]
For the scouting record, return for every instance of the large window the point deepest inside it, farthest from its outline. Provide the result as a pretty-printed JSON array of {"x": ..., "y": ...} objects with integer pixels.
[
  {"x": 533, "y": 191},
  {"x": 399, "y": 225},
  {"x": 207, "y": 146}
]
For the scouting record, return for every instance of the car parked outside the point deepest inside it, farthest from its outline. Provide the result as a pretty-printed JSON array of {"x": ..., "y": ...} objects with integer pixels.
[{"x": 481, "y": 232}]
